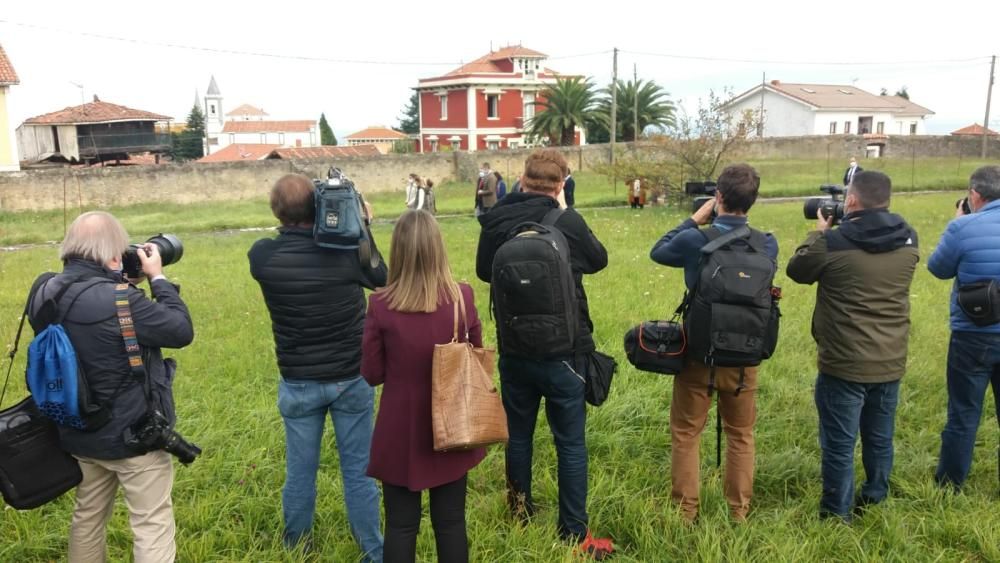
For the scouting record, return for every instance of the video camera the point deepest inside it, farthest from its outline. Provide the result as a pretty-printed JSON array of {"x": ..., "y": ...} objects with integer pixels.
[
  {"x": 832, "y": 206},
  {"x": 171, "y": 251},
  {"x": 703, "y": 191},
  {"x": 342, "y": 218}
]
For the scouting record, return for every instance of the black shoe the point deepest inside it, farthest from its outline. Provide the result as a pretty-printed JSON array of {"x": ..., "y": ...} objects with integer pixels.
[
  {"x": 862, "y": 504},
  {"x": 839, "y": 518}
]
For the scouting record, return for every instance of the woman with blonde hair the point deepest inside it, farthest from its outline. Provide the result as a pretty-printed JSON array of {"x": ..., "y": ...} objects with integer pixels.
[{"x": 406, "y": 318}]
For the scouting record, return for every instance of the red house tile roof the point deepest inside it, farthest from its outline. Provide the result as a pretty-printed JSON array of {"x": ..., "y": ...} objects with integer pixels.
[
  {"x": 240, "y": 152},
  {"x": 7, "y": 75},
  {"x": 377, "y": 133},
  {"x": 247, "y": 109},
  {"x": 487, "y": 62},
  {"x": 95, "y": 112},
  {"x": 302, "y": 153},
  {"x": 268, "y": 126},
  {"x": 976, "y": 130}
]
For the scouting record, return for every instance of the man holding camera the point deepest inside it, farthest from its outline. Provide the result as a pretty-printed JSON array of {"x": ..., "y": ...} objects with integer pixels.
[
  {"x": 316, "y": 300},
  {"x": 735, "y": 193},
  {"x": 861, "y": 325},
  {"x": 969, "y": 251},
  {"x": 92, "y": 253}
]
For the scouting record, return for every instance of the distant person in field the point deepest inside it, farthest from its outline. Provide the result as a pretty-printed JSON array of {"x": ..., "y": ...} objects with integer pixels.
[
  {"x": 637, "y": 195},
  {"x": 316, "y": 300},
  {"x": 406, "y": 319},
  {"x": 569, "y": 189},
  {"x": 969, "y": 253},
  {"x": 861, "y": 324},
  {"x": 486, "y": 191},
  {"x": 852, "y": 170},
  {"x": 412, "y": 185}
]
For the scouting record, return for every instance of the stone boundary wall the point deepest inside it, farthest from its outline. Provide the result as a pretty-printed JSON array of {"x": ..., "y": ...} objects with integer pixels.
[{"x": 36, "y": 190}]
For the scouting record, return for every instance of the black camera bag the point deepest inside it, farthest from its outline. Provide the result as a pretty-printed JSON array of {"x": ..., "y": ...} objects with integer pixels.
[
  {"x": 656, "y": 346},
  {"x": 980, "y": 301}
]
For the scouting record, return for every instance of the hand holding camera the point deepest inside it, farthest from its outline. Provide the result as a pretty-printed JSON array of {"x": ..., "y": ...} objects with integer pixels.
[{"x": 705, "y": 213}]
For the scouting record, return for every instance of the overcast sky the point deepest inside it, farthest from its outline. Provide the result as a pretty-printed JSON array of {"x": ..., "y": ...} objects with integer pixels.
[{"x": 367, "y": 55}]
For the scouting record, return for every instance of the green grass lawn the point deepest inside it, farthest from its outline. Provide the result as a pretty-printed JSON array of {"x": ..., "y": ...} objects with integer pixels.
[{"x": 228, "y": 503}]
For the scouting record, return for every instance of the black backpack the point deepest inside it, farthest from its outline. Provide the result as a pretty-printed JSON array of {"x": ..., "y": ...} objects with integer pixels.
[
  {"x": 731, "y": 315},
  {"x": 534, "y": 297}
]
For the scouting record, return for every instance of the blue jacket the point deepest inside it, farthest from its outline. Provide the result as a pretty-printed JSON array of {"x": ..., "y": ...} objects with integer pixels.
[
  {"x": 681, "y": 247},
  {"x": 969, "y": 251}
]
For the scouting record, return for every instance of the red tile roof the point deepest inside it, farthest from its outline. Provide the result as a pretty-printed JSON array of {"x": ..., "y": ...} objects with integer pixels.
[
  {"x": 976, "y": 130},
  {"x": 486, "y": 63},
  {"x": 240, "y": 152},
  {"x": 302, "y": 153},
  {"x": 95, "y": 112},
  {"x": 377, "y": 132},
  {"x": 302, "y": 126},
  {"x": 7, "y": 75},
  {"x": 247, "y": 109}
]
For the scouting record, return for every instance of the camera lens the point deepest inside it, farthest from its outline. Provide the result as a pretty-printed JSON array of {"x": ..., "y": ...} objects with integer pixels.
[
  {"x": 174, "y": 444},
  {"x": 171, "y": 249},
  {"x": 812, "y": 205}
]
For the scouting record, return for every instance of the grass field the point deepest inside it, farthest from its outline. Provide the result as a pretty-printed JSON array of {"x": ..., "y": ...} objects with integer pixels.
[{"x": 228, "y": 504}]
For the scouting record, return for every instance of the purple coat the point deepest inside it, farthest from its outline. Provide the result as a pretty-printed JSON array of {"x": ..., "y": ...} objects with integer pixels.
[{"x": 397, "y": 351}]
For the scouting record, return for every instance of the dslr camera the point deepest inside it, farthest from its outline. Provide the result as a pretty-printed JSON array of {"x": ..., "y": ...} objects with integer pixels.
[
  {"x": 702, "y": 192},
  {"x": 832, "y": 206},
  {"x": 170, "y": 248},
  {"x": 153, "y": 432},
  {"x": 964, "y": 204}
]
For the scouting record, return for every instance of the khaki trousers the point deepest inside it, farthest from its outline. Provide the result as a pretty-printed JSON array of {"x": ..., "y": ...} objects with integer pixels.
[
  {"x": 688, "y": 415},
  {"x": 146, "y": 481}
]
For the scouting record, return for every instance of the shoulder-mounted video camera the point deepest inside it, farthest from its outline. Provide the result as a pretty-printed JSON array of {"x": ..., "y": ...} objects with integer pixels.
[
  {"x": 341, "y": 216},
  {"x": 832, "y": 206}
]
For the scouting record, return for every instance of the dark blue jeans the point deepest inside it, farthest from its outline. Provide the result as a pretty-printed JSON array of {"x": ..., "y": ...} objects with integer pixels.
[
  {"x": 973, "y": 364},
  {"x": 845, "y": 409},
  {"x": 523, "y": 384}
]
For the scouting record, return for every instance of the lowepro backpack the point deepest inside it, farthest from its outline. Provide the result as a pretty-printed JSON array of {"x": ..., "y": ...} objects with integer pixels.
[
  {"x": 731, "y": 315},
  {"x": 57, "y": 382},
  {"x": 534, "y": 297}
]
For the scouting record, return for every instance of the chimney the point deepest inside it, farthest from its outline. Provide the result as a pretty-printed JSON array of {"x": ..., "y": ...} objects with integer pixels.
[
  {"x": 96, "y": 99},
  {"x": 775, "y": 83}
]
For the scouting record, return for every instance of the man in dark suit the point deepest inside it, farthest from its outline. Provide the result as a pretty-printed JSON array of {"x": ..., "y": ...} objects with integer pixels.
[{"x": 851, "y": 171}]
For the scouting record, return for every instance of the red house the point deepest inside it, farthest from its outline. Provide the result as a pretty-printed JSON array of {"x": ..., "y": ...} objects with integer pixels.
[{"x": 484, "y": 104}]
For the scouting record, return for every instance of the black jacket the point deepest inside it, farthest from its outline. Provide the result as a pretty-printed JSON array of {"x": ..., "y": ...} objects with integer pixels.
[
  {"x": 91, "y": 322},
  {"x": 587, "y": 254},
  {"x": 863, "y": 269},
  {"x": 317, "y": 303}
]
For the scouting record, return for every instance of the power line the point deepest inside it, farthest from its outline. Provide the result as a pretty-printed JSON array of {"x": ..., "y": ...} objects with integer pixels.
[{"x": 803, "y": 63}]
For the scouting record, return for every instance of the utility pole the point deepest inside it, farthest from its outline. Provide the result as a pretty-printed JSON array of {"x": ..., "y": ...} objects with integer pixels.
[
  {"x": 614, "y": 115},
  {"x": 989, "y": 95},
  {"x": 635, "y": 98}
]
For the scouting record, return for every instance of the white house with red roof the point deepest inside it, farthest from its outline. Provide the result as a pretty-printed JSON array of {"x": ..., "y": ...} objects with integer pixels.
[
  {"x": 829, "y": 109},
  {"x": 379, "y": 136},
  {"x": 249, "y": 125},
  {"x": 484, "y": 104},
  {"x": 8, "y": 146}
]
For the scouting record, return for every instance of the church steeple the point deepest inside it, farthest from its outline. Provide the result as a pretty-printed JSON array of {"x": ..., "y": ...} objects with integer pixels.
[{"x": 214, "y": 118}]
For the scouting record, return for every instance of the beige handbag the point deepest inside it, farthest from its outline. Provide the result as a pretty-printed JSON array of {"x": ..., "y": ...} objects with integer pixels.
[{"x": 465, "y": 406}]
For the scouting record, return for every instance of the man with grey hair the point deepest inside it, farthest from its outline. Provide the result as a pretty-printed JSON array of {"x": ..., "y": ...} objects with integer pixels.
[
  {"x": 92, "y": 257},
  {"x": 969, "y": 252}
]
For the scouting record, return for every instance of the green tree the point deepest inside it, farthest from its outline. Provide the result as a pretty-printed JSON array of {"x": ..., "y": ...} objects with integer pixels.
[
  {"x": 189, "y": 143},
  {"x": 409, "y": 122},
  {"x": 565, "y": 105},
  {"x": 902, "y": 93},
  {"x": 654, "y": 109},
  {"x": 326, "y": 136}
]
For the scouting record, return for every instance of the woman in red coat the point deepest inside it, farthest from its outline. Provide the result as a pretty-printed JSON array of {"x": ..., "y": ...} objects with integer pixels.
[{"x": 406, "y": 318}]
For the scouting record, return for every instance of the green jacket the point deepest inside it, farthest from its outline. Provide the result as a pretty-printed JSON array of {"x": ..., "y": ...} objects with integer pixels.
[{"x": 863, "y": 269}]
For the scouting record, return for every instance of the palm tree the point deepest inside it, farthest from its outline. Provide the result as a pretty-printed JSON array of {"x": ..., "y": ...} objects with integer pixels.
[
  {"x": 564, "y": 106},
  {"x": 655, "y": 109}
]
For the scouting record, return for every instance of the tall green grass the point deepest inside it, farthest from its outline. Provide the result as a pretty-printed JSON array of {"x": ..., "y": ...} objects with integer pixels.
[{"x": 228, "y": 503}]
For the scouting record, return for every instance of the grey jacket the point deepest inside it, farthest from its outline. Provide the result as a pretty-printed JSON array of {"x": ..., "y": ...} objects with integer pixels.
[{"x": 91, "y": 322}]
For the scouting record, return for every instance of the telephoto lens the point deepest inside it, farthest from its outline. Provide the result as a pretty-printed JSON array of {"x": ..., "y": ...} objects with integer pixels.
[{"x": 170, "y": 247}]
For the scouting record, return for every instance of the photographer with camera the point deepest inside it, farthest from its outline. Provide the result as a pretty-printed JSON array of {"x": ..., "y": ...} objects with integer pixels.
[
  {"x": 315, "y": 296},
  {"x": 736, "y": 192},
  {"x": 131, "y": 446},
  {"x": 861, "y": 324},
  {"x": 969, "y": 253}
]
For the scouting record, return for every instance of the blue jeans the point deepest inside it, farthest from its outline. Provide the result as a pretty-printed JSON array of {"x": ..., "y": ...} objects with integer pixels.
[
  {"x": 973, "y": 364},
  {"x": 523, "y": 383},
  {"x": 845, "y": 408},
  {"x": 304, "y": 406}
]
